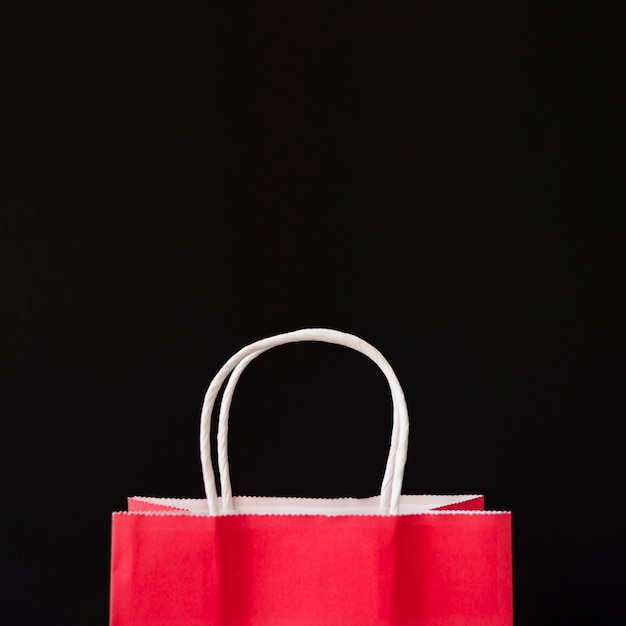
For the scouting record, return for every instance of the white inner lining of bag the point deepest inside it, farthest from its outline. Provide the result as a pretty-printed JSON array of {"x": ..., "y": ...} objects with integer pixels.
[{"x": 267, "y": 505}]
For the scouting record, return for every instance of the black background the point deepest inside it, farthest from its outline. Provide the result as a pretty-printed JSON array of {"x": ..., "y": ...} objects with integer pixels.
[{"x": 440, "y": 179}]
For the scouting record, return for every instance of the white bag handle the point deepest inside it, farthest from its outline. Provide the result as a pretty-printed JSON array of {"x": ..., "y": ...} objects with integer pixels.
[{"x": 394, "y": 472}]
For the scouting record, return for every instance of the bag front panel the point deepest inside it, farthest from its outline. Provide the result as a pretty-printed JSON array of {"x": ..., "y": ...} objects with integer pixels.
[{"x": 313, "y": 570}]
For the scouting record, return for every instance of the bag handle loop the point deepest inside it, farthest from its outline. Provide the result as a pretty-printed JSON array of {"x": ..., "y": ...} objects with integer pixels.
[{"x": 394, "y": 471}]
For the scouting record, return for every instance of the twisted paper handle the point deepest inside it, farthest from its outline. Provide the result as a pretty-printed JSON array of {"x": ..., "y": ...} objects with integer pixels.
[{"x": 394, "y": 471}]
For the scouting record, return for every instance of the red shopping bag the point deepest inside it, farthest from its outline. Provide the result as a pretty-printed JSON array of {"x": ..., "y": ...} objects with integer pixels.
[{"x": 391, "y": 559}]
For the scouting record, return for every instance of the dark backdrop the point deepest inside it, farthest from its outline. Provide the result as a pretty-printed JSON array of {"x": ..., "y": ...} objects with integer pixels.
[{"x": 438, "y": 178}]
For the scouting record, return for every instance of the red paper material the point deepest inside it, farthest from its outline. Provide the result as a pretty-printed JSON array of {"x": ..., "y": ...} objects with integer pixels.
[{"x": 444, "y": 568}]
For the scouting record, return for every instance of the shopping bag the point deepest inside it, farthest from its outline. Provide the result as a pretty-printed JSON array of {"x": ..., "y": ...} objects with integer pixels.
[{"x": 390, "y": 559}]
